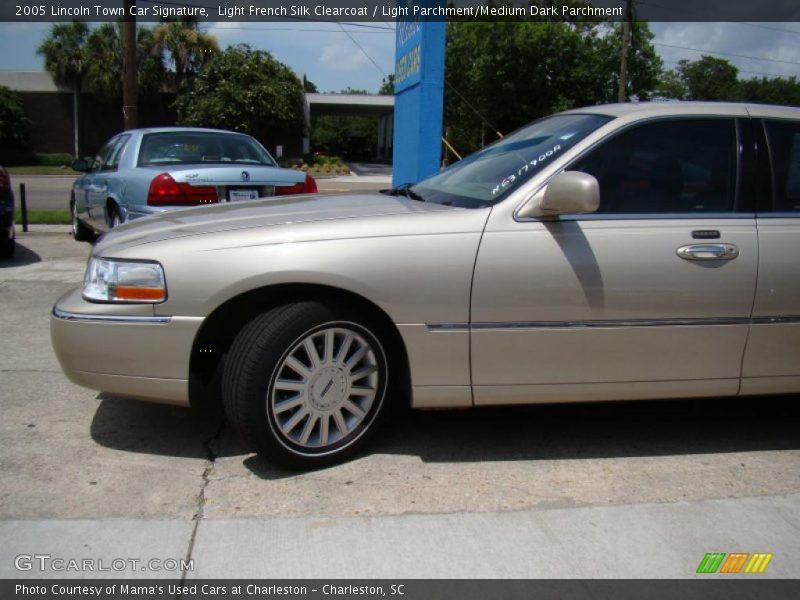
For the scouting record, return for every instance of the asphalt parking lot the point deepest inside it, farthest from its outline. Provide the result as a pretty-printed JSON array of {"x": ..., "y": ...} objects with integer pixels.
[{"x": 602, "y": 490}]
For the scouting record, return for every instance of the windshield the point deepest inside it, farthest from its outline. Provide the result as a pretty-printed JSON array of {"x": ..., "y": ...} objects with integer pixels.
[
  {"x": 487, "y": 176},
  {"x": 193, "y": 147}
]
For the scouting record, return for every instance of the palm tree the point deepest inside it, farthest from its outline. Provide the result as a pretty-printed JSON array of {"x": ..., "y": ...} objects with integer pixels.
[
  {"x": 64, "y": 58},
  {"x": 104, "y": 58},
  {"x": 184, "y": 47}
]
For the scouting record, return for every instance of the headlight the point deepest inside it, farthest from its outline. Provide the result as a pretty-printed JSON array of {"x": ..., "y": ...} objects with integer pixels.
[{"x": 108, "y": 280}]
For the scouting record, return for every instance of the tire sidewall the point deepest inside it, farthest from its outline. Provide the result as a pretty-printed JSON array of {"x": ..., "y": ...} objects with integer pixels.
[
  {"x": 254, "y": 418},
  {"x": 76, "y": 233}
]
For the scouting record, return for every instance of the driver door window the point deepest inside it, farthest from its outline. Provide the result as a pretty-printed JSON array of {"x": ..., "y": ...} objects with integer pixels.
[
  {"x": 666, "y": 167},
  {"x": 111, "y": 162}
]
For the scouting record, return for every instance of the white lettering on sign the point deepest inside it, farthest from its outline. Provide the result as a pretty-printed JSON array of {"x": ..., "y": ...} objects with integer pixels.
[
  {"x": 408, "y": 65},
  {"x": 406, "y": 30}
]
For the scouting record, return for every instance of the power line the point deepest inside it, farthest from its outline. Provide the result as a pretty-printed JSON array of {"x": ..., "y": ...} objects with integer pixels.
[
  {"x": 452, "y": 87},
  {"x": 759, "y": 26},
  {"x": 775, "y": 60},
  {"x": 676, "y": 63},
  {"x": 352, "y": 39},
  {"x": 475, "y": 110},
  {"x": 369, "y": 26}
]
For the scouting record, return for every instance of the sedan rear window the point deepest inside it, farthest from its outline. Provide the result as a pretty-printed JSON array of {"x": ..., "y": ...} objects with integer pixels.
[{"x": 201, "y": 147}]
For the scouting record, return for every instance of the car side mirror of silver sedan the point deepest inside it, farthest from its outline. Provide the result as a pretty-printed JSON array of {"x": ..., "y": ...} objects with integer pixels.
[
  {"x": 569, "y": 192},
  {"x": 80, "y": 164}
]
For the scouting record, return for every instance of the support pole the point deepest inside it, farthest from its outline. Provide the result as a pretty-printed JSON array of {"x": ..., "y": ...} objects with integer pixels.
[
  {"x": 130, "y": 90},
  {"x": 23, "y": 207},
  {"x": 626, "y": 49}
]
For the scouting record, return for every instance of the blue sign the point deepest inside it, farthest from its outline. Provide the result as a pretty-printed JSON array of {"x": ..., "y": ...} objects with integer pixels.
[{"x": 419, "y": 99}]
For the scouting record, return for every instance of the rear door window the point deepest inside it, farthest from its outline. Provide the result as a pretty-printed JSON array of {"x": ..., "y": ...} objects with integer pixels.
[{"x": 784, "y": 150}]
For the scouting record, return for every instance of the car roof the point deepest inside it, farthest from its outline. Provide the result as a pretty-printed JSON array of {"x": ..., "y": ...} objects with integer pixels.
[
  {"x": 677, "y": 107},
  {"x": 183, "y": 130}
]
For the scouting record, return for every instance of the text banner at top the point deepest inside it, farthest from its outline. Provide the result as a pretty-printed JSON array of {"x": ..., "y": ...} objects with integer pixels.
[{"x": 392, "y": 10}]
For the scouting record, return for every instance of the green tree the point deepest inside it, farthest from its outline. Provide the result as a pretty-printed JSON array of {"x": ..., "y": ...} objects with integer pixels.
[
  {"x": 309, "y": 86},
  {"x": 501, "y": 75},
  {"x": 64, "y": 52},
  {"x": 184, "y": 47},
  {"x": 771, "y": 90},
  {"x": 644, "y": 64},
  {"x": 387, "y": 85},
  {"x": 351, "y": 137},
  {"x": 244, "y": 90},
  {"x": 104, "y": 61},
  {"x": 709, "y": 78},
  {"x": 14, "y": 145},
  {"x": 671, "y": 85}
]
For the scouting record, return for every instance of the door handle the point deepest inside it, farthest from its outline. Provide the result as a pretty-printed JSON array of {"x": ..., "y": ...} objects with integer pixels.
[{"x": 708, "y": 252}]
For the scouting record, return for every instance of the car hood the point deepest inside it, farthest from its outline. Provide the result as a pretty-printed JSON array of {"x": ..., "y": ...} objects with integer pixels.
[{"x": 268, "y": 213}]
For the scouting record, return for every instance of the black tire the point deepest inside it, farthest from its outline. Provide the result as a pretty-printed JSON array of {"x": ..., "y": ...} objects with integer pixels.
[
  {"x": 7, "y": 249},
  {"x": 258, "y": 357},
  {"x": 80, "y": 232},
  {"x": 114, "y": 217}
]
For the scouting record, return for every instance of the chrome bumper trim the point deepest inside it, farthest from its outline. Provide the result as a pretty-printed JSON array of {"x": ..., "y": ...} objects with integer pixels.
[{"x": 70, "y": 316}]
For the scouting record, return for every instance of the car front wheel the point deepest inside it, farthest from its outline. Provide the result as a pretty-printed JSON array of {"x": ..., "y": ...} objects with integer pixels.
[{"x": 306, "y": 383}]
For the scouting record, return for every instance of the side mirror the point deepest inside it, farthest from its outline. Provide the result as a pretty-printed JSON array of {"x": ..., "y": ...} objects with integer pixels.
[
  {"x": 80, "y": 164},
  {"x": 570, "y": 192}
]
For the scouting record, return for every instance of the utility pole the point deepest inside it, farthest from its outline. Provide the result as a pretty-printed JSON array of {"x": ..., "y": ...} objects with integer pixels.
[
  {"x": 626, "y": 49},
  {"x": 130, "y": 89}
]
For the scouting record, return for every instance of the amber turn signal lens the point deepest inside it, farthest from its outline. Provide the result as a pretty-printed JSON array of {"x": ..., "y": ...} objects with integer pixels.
[{"x": 139, "y": 293}]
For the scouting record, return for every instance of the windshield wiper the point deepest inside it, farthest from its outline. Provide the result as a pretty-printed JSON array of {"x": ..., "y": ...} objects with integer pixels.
[{"x": 404, "y": 190}]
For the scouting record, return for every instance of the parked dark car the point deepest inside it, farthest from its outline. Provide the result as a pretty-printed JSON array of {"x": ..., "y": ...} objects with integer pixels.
[{"x": 7, "y": 232}]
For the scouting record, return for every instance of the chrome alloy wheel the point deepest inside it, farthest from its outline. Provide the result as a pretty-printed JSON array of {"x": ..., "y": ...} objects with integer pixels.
[
  {"x": 75, "y": 224},
  {"x": 324, "y": 387}
]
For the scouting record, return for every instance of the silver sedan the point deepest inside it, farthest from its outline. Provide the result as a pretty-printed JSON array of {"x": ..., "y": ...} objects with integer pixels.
[{"x": 148, "y": 171}]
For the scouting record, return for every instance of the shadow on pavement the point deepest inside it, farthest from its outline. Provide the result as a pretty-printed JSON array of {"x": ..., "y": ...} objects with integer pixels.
[
  {"x": 581, "y": 431},
  {"x": 22, "y": 256},
  {"x": 143, "y": 427},
  {"x": 608, "y": 430},
  {"x": 548, "y": 432}
]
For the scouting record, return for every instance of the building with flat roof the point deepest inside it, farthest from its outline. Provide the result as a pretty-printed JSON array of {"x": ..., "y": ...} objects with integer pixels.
[{"x": 50, "y": 110}]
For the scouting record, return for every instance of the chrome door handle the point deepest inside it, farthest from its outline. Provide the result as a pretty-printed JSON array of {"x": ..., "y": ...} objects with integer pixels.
[{"x": 708, "y": 252}]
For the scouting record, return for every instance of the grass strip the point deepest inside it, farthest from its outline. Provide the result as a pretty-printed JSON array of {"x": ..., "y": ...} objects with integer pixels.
[{"x": 44, "y": 217}]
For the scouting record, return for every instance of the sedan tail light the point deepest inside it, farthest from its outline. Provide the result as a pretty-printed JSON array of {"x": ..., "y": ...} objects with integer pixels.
[
  {"x": 165, "y": 191},
  {"x": 309, "y": 186}
]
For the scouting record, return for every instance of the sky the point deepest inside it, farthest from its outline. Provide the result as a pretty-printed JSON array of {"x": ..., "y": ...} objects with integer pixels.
[{"x": 359, "y": 55}]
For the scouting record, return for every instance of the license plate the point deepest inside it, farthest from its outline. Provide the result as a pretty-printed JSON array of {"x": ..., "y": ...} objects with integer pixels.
[{"x": 237, "y": 195}]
